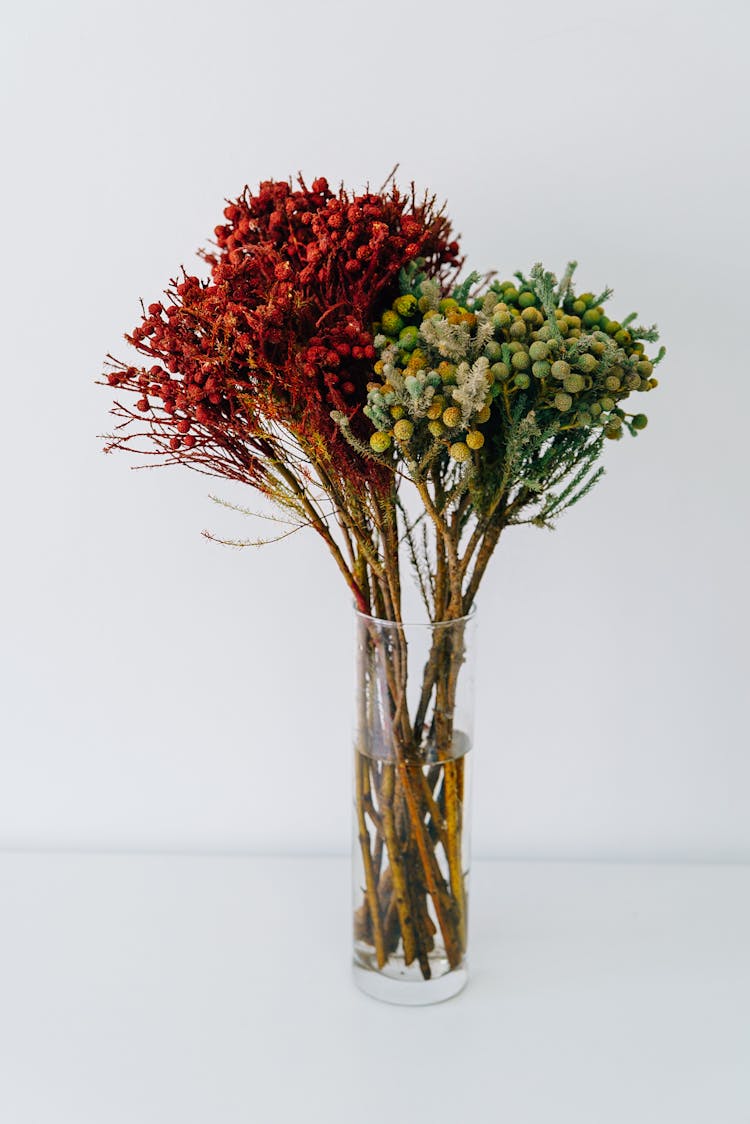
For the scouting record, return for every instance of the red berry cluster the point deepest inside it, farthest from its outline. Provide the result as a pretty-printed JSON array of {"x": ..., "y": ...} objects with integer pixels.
[{"x": 281, "y": 332}]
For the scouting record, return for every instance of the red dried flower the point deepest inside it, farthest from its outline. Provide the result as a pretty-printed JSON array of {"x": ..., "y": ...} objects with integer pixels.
[{"x": 280, "y": 334}]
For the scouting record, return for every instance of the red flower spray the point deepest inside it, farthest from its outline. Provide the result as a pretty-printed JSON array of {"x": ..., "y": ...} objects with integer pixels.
[{"x": 280, "y": 334}]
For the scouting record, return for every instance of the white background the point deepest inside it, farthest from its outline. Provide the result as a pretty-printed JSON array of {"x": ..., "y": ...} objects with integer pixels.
[{"x": 159, "y": 691}]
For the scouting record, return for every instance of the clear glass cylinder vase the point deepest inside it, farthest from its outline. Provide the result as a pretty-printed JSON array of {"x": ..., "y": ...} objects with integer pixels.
[{"x": 413, "y": 735}]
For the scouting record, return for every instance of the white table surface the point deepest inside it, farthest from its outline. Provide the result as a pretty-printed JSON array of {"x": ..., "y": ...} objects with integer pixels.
[{"x": 152, "y": 989}]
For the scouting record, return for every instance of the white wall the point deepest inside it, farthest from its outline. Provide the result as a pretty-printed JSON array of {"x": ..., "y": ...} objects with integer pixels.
[{"x": 161, "y": 691}]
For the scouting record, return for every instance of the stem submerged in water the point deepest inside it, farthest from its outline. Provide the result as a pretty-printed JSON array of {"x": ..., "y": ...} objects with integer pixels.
[
  {"x": 409, "y": 788},
  {"x": 421, "y": 892}
]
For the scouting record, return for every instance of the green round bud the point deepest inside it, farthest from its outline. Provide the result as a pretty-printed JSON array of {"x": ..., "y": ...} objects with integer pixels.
[
  {"x": 408, "y": 338},
  {"x": 614, "y": 433},
  {"x": 526, "y": 299},
  {"x": 640, "y": 421},
  {"x": 587, "y": 364},
  {"x": 405, "y": 305},
  {"x": 563, "y": 401},
  {"x": 645, "y": 368},
  {"x": 517, "y": 329},
  {"x": 612, "y": 382},
  {"x": 493, "y": 351},
  {"x": 613, "y": 327},
  {"x": 520, "y": 361},
  {"x": 595, "y": 409},
  {"x": 540, "y": 369},
  {"x": 522, "y": 380},
  {"x": 607, "y": 403},
  {"x": 379, "y": 442},
  {"x": 545, "y": 332},
  {"x": 539, "y": 350},
  {"x": 514, "y": 346},
  {"x": 573, "y": 321},
  {"x": 633, "y": 381},
  {"x": 623, "y": 337},
  {"x": 448, "y": 304},
  {"x": 460, "y": 451},
  {"x": 501, "y": 317},
  {"x": 591, "y": 317},
  {"x": 403, "y": 429},
  {"x": 573, "y": 383},
  {"x": 510, "y": 295},
  {"x": 579, "y": 307},
  {"x": 391, "y": 323},
  {"x": 501, "y": 371},
  {"x": 560, "y": 369},
  {"x": 532, "y": 316},
  {"x": 583, "y": 417}
]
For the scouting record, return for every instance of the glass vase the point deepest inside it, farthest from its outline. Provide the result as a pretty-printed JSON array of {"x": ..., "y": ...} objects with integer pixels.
[{"x": 413, "y": 734}]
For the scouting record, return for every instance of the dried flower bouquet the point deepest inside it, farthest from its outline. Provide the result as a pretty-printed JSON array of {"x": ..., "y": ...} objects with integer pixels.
[{"x": 334, "y": 360}]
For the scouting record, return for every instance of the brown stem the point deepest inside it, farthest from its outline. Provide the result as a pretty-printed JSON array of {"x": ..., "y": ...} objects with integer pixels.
[
  {"x": 400, "y": 889},
  {"x": 433, "y": 877},
  {"x": 364, "y": 842},
  {"x": 413, "y": 824},
  {"x": 321, "y": 526},
  {"x": 425, "y": 942},
  {"x": 436, "y": 816},
  {"x": 453, "y": 847},
  {"x": 489, "y": 542},
  {"x": 391, "y": 928}
]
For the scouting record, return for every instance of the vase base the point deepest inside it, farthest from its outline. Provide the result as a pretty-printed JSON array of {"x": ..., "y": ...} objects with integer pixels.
[{"x": 410, "y": 993}]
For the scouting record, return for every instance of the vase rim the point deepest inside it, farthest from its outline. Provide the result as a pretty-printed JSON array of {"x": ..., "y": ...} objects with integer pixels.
[{"x": 381, "y": 621}]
